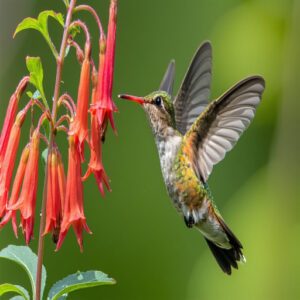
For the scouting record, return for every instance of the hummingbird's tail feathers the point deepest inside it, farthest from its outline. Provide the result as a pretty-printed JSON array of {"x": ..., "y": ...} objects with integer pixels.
[
  {"x": 227, "y": 258},
  {"x": 233, "y": 240}
]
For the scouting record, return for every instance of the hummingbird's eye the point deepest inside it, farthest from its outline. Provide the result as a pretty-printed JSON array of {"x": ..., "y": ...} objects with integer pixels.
[{"x": 158, "y": 101}]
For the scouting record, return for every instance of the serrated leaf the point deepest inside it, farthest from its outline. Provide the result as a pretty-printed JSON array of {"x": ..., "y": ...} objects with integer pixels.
[
  {"x": 24, "y": 257},
  {"x": 35, "y": 68},
  {"x": 13, "y": 288},
  {"x": 41, "y": 24},
  {"x": 80, "y": 280}
]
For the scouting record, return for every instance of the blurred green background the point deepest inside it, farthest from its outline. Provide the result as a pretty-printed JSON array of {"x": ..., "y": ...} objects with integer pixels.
[{"x": 138, "y": 238}]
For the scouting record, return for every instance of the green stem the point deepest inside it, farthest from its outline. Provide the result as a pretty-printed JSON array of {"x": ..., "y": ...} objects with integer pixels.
[
  {"x": 59, "y": 63},
  {"x": 52, "y": 48}
]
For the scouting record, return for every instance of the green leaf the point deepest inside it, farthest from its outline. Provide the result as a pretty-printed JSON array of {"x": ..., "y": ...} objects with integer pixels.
[
  {"x": 27, "y": 23},
  {"x": 36, "y": 95},
  {"x": 74, "y": 30},
  {"x": 45, "y": 155},
  {"x": 24, "y": 257},
  {"x": 35, "y": 68},
  {"x": 67, "y": 50},
  {"x": 29, "y": 94},
  {"x": 13, "y": 288},
  {"x": 66, "y": 2},
  {"x": 80, "y": 280},
  {"x": 41, "y": 24},
  {"x": 43, "y": 19}
]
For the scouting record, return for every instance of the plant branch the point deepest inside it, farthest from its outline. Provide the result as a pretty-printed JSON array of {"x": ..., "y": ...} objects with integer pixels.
[
  {"x": 87, "y": 36},
  {"x": 79, "y": 52},
  {"x": 62, "y": 119},
  {"x": 69, "y": 99},
  {"x": 59, "y": 62}
]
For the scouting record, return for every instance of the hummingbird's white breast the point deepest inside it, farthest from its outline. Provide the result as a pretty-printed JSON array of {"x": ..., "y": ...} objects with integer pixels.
[{"x": 168, "y": 146}]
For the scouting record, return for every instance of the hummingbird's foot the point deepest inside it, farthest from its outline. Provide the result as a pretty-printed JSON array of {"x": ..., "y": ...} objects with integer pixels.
[{"x": 189, "y": 221}]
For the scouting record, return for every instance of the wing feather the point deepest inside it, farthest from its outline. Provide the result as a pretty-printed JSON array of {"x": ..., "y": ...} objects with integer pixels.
[
  {"x": 168, "y": 79},
  {"x": 219, "y": 127},
  {"x": 193, "y": 95}
]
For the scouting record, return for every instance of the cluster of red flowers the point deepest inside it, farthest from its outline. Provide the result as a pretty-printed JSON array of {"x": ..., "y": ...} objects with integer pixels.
[{"x": 64, "y": 194}]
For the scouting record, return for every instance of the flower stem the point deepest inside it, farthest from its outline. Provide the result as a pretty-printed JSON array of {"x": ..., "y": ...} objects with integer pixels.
[
  {"x": 94, "y": 14},
  {"x": 59, "y": 62}
]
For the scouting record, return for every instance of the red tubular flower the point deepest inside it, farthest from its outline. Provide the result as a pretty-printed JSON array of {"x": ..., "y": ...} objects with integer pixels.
[
  {"x": 73, "y": 213},
  {"x": 10, "y": 116},
  {"x": 105, "y": 105},
  {"x": 27, "y": 199},
  {"x": 7, "y": 168},
  {"x": 10, "y": 212},
  {"x": 95, "y": 164},
  {"x": 56, "y": 184},
  {"x": 81, "y": 119}
]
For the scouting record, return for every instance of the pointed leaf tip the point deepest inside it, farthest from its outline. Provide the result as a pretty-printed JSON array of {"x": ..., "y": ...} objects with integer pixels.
[
  {"x": 41, "y": 24},
  {"x": 27, "y": 23}
]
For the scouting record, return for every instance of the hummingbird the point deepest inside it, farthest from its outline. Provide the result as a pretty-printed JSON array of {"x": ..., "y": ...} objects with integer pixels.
[{"x": 192, "y": 135}]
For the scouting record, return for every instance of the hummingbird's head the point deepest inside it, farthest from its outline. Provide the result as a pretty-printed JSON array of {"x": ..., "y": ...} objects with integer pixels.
[{"x": 159, "y": 107}]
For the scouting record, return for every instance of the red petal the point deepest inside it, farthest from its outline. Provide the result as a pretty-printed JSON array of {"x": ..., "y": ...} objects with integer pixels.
[
  {"x": 73, "y": 213},
  {"x": 10, "y": 116},
  {"x": 27, "y": 200}
]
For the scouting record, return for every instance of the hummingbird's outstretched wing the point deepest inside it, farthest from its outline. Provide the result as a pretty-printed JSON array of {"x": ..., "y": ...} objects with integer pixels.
[
  {"x": 192, "y": 97},
  {"x": 167, "y": 82},
  {"x": 219, "y": 127}
]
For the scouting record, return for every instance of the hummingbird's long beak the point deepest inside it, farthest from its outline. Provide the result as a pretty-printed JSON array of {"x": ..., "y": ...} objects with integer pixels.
[{"x": 136, "y": 99}]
